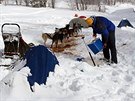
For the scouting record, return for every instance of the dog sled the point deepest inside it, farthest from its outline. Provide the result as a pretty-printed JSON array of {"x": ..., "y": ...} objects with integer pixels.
[
  {"x": 14, "y": 46},
  {"x": 11, "y": 40}
]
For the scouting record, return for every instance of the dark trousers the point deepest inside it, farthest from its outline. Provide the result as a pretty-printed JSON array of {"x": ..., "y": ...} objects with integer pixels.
[{"x": 111, "y": 48}]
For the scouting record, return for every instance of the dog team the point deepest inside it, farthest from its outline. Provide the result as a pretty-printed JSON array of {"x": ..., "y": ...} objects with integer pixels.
[{"x": 61, "y": 33}]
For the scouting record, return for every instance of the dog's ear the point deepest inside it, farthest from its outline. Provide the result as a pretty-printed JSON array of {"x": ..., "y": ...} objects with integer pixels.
[{"x": 56, "y": 29}]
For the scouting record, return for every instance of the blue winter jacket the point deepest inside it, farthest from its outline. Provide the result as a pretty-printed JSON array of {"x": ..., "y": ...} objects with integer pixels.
[{"x": 102, "y": 25}]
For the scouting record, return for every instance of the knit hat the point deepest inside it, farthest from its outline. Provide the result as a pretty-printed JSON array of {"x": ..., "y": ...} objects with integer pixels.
[{"x": 89, "y": 21}]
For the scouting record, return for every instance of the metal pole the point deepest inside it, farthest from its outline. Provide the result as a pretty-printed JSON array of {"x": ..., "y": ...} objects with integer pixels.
[{"x": 89, "y": 53}]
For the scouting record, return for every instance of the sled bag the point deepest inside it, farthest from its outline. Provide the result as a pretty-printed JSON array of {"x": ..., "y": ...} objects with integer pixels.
[{"x": 96, "y": 45}]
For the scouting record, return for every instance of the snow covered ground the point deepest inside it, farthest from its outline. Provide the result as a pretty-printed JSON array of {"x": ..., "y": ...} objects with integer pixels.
[{"x": 72, "y": 80}]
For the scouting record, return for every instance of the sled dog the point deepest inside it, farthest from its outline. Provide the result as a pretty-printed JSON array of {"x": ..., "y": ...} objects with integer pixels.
[
  {"x": 46, "y": 36},
  {"x": 59, "y": 35}
]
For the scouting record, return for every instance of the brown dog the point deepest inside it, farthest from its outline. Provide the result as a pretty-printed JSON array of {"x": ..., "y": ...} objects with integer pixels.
[{"x": 46, "y": 36}]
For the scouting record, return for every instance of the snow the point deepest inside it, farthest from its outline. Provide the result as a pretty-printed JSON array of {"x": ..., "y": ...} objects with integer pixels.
[
  {"x": 119, "y": 6},
  {"x": 62, "y": 4},
  {"x": 72, "y": 80}
]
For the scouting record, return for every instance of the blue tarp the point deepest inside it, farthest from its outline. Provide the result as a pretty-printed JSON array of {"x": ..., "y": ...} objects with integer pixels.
[
  {"x": 40, "y": 61},
  {"x": 124, "y": 23}
]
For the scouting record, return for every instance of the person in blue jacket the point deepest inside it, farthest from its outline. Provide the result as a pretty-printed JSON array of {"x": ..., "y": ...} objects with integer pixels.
[{"x": 106, "y": 28}]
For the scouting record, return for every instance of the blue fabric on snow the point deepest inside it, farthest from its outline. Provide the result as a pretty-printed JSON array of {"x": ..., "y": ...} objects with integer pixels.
[
  {"x": 124, "y": 23},
  {"x": 40, "y": 61}
]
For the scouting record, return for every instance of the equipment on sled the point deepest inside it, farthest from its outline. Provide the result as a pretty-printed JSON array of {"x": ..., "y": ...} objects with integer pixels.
[
  {"x": 11, "y": 40},
  {"x": 14, "y": 46}
]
